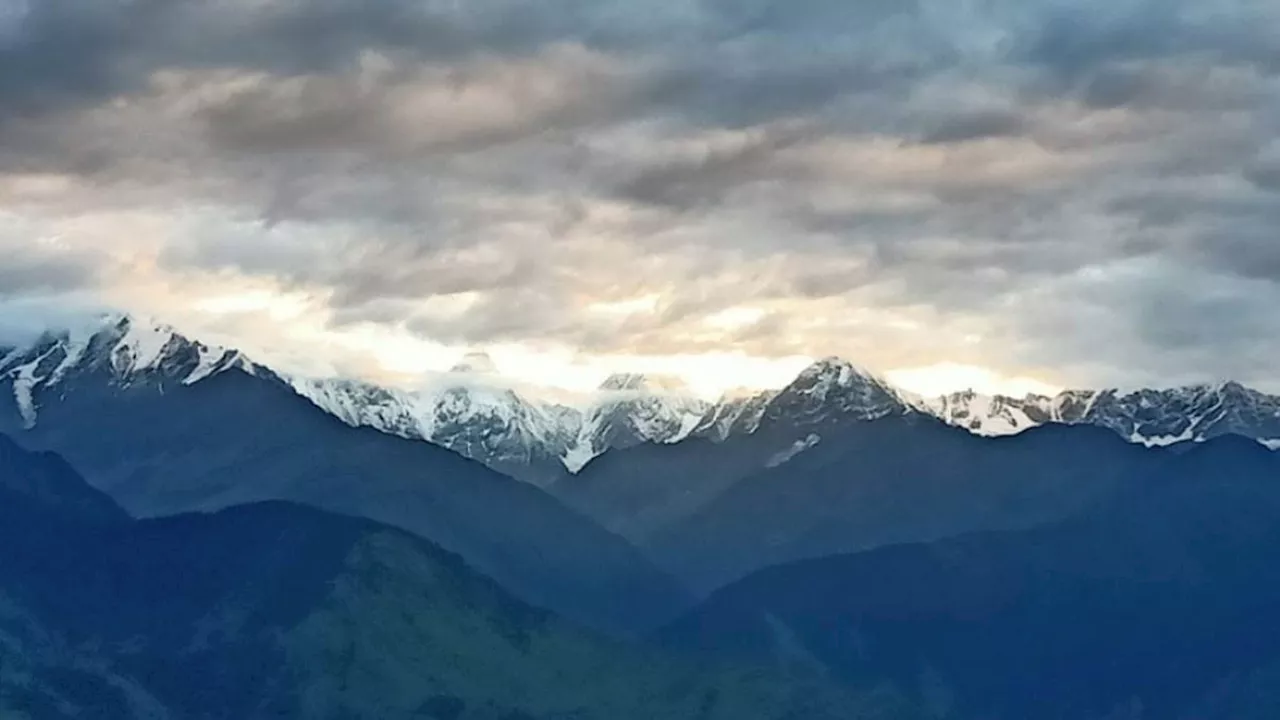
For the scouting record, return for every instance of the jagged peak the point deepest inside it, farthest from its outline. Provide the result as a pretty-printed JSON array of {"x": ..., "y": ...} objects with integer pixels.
[
  {"x": 476, "y": 363},
  {"x": 837, "y": 372},
  {"x": 125, "y": 345},
  {"x": 127, "y": 349}
]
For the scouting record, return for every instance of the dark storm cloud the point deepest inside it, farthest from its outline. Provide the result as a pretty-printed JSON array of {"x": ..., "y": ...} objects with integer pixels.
[
  {"x": 977, "y": 169},
  {"x": 83, "y": 50}
]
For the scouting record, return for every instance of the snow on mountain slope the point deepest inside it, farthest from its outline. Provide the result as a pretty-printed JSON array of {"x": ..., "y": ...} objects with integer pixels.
[
  {"x": 631, "y": 409},
  {"x": 515, "y": 434},
  {"x": 737, "y": 413},
  {"x": 1150, "y": 417},
  {"x": 833, "y": 387},
  {"x": 493, "y": 425},
  {"x": 987, "y": 415},
  {"x": 469, "y": 412},
  {"x": 127, "y": 350}
]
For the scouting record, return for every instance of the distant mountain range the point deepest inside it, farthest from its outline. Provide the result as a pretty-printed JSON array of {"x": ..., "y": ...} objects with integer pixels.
[
  {"x": 643, "y": 457},
  {"x": 279, "y": 611},
  {"x": 165, "y": 424},
  {"x": 962, "y": 558},
  {"x": 542, "y": 442}
]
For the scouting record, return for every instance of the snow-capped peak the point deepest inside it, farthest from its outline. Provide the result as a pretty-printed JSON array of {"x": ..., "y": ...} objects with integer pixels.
[
  {"x": 484, "y": 421},
  {"x": 475, "y": 363},
  {"x": 835, "y": 370},
  {"x": 125, "y": 349},
  {"x": 835, "y": 386}
]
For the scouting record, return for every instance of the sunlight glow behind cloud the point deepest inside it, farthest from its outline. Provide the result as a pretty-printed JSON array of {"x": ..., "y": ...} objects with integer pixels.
[{"x": 998, "y": 195}]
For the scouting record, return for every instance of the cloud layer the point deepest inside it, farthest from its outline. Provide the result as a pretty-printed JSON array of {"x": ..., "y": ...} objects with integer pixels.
[{"x": 1082, "y": 192}]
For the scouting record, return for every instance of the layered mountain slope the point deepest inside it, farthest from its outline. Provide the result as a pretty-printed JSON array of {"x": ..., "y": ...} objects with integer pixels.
[
  {"x": 164, "y": 432},
  {"x": 471, "y": 413},
  {"x": 642, "y": 490},
  {"x": 281, "y": 611},
  {"x": 908, "y": 478},
  {"x": 1158, "y": 604},
  {"x": 839, "y": 462},
  {"x": 496, "y": 426},
  {"x": 818, "y": 427}
]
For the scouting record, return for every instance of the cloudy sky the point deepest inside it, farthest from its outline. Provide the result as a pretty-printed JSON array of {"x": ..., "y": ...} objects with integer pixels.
[{"x": 989, "y": 192}]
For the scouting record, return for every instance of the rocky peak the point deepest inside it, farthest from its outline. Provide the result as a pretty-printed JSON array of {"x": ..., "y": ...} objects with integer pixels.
[
  {"x": 127, "y": 350},
  {"x": 833, "y": 386}
]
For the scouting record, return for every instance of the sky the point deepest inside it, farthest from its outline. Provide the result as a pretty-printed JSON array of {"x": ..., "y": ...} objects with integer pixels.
[{"x": 1005, "y": 194}]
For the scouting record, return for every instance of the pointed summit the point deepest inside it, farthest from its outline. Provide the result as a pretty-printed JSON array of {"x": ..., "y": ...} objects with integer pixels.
[
  {"x": 476, "y": 363},
  {"x": 834, "y": 385},
  {"x": 834, "y": 372}
]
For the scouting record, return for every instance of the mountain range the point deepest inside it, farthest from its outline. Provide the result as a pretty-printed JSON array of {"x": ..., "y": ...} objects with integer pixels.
[
  {"x": 166, "y": 425},
  {"x": 280, "y": 611},
  {"x": 542, "y": 442},
  {"x": 471, "y": 413},
  {"x": 187, "y": 533},
  {"x": 678, "y": 477},
  {"x": 1157, "y": 603}
]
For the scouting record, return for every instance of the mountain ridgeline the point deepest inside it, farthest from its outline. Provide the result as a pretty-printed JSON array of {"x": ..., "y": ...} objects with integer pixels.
[
  {"x": 165, "y": 425},
  {"x": 837, "y": 548},
  {"x": 277, "y": 611},
  {"x": 471, "y": 412}
]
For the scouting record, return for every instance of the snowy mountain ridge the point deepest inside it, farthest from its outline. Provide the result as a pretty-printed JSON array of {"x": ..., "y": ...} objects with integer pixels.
[
  {"x": 1152, "y": 417},
  {"x": 539, "y": 441},
  {"x": 521, "y": 435},
  {"x": 126, "y": 350}
]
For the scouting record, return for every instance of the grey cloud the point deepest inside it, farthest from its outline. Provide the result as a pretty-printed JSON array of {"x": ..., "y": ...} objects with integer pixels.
[
  {"x": 30, "y": 273},
  {"x": 704, "y": 178},
  {"x": 1076, "y": 40},
  {"x": 1264, "y": 171},
  {"x": 976, "y": 126},
  {"x": 1186, "y": 326},
  {"x": 819, "y": 160},
  {"x": 41, "y": 266}
]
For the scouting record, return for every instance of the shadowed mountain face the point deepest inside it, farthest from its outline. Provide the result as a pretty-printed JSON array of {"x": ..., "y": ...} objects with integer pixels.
[
  {"x": 795, "y": 473},
  {"x": 162, "y": 432},
  {"x": 643, "y": 491},
  {"x": 282, "y": 611},
  {"x": 1158, "y": 604},
  {"x": 895, "y": 480},
  {"x": 714, "y": 512}
]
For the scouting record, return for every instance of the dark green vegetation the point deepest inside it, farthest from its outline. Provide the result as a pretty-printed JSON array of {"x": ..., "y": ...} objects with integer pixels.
[
  {"x": 1159, "y": 604},
  {"x": 275, "y": 610}
]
